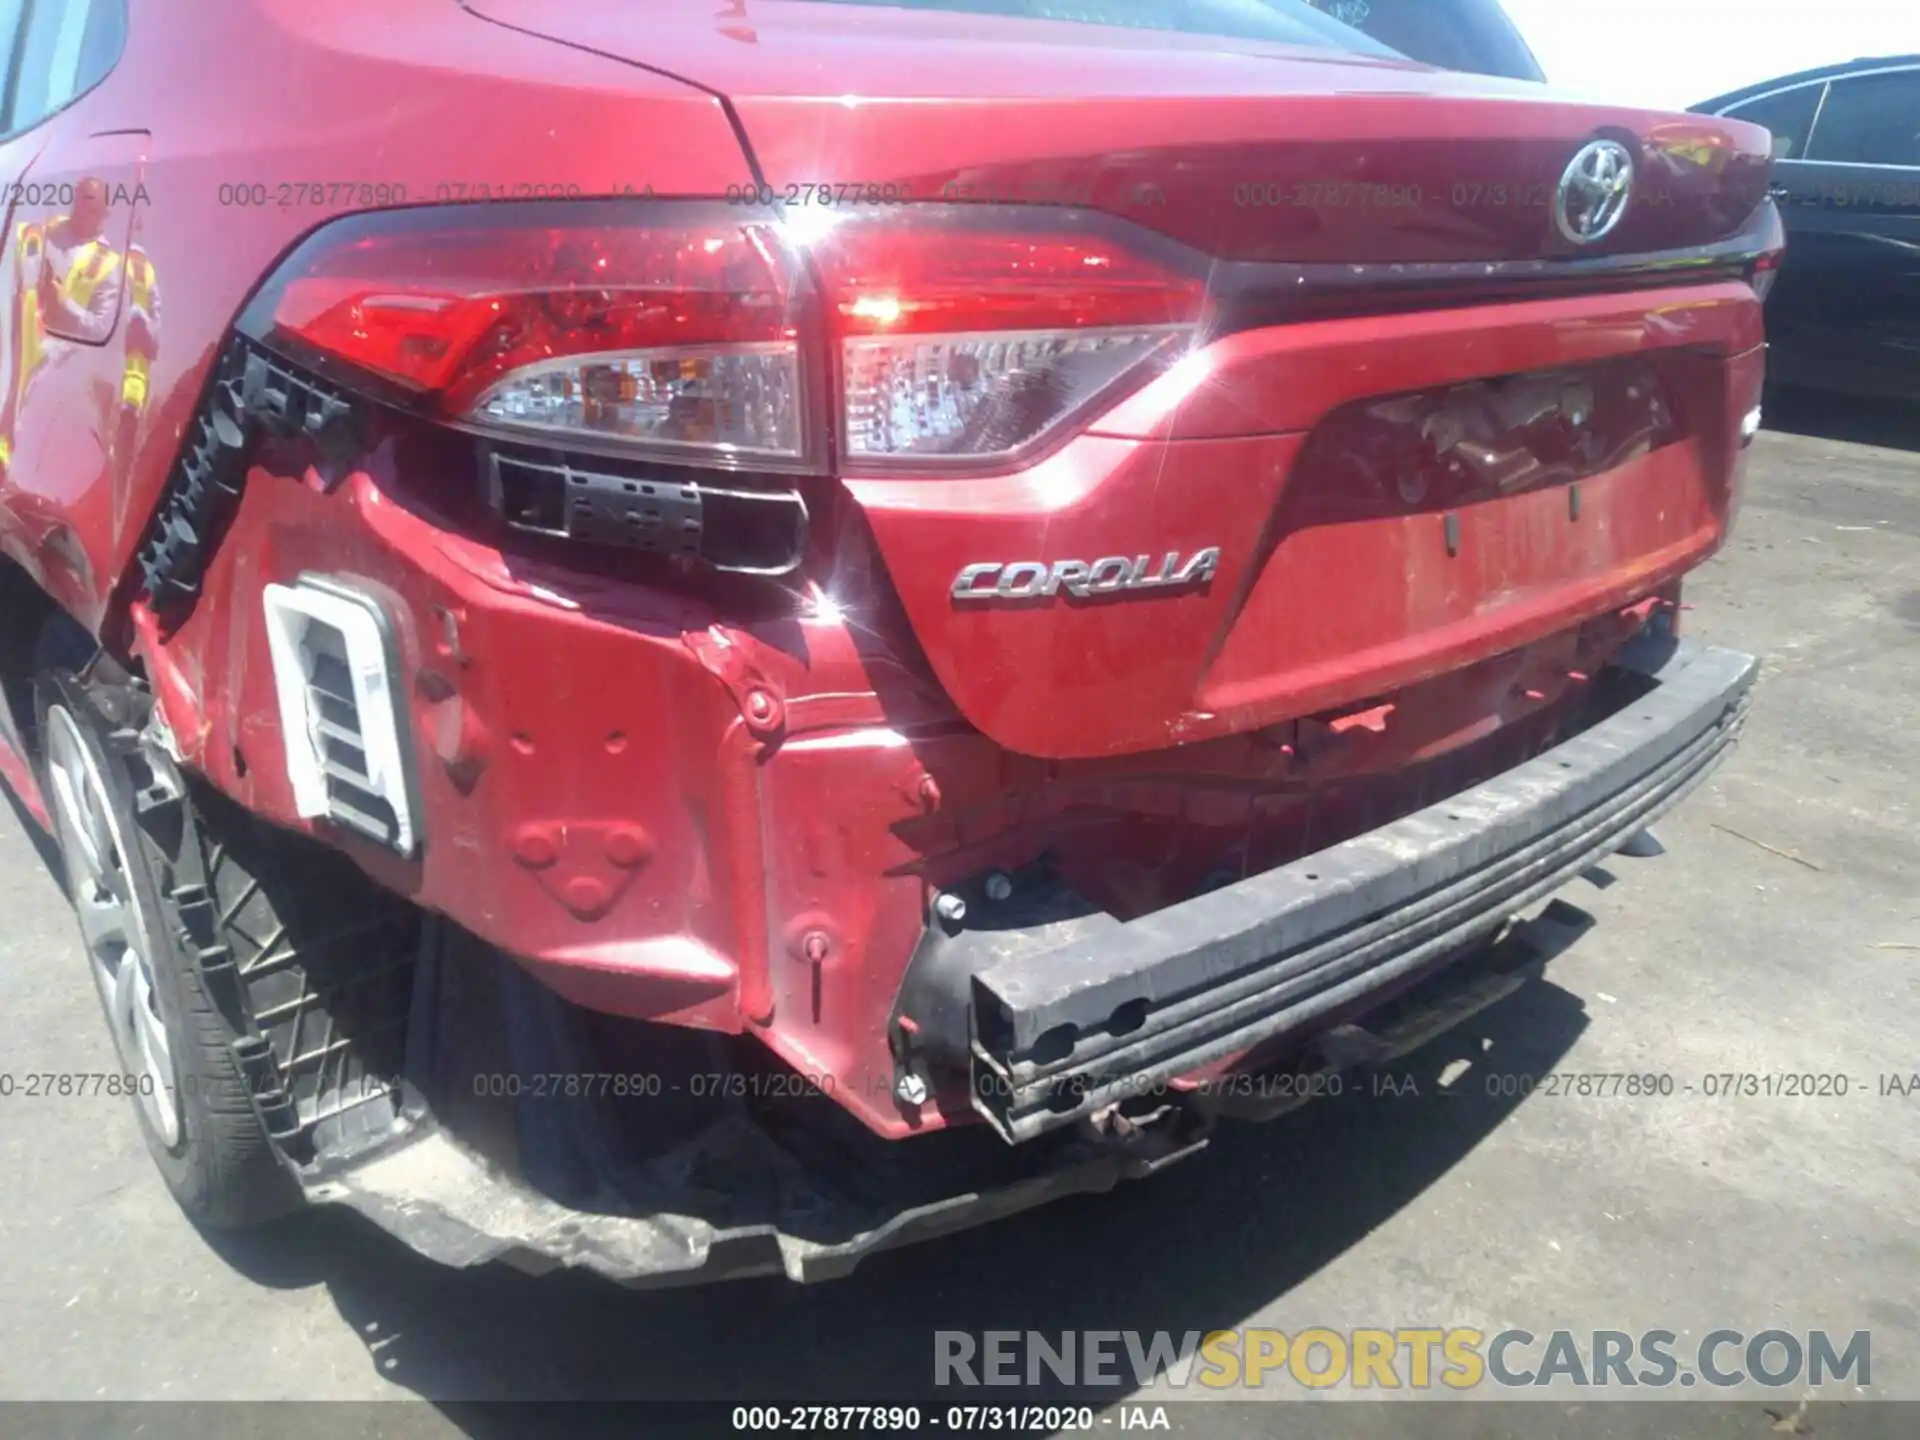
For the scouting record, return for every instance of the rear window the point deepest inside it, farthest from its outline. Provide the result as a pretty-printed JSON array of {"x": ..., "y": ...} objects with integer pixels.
[
  {"x": 1473, "y": 35},
  {"x": 1454, "y": 34}
]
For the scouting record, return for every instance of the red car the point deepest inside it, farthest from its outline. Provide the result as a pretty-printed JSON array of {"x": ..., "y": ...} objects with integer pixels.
[{"x": 709, "y": 639}]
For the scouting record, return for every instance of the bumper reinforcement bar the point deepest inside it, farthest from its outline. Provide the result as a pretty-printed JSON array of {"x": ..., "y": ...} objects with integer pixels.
[{"x": 1059, "y": 1033}]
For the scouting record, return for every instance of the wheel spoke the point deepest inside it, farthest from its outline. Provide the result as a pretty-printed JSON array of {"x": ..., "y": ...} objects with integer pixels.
[
  {"x": 104, "y": 924},
  {"x": 98, "y": 836},
  {"x": 122, "y": 998},
  {"x": 84, "y": 857},
  {"x": 153, "y": 1050},
  {"x": 152, "y": 1032}
]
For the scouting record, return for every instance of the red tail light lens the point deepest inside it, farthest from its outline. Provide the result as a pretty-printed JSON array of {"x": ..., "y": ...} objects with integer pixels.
[
  {"x": 954, "y": 269},
  {"x": 668, "y": 326},
  {"x": 960, "y": 333},
  {"x": 1765, "y": 269}
]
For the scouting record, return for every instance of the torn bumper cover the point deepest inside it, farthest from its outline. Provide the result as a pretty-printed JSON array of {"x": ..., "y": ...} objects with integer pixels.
[
  {"x": 448, "y": 1204},
  {"x": 1058, "y": 1033}
]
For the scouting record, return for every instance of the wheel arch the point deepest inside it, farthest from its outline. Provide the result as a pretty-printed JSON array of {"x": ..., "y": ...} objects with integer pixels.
[{"x": 35, "y": 631}]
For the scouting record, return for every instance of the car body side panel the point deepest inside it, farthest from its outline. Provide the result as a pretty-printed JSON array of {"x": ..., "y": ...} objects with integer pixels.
[
  {"x": 75, "y": 375},
  {"x": 338, "y": 108}
]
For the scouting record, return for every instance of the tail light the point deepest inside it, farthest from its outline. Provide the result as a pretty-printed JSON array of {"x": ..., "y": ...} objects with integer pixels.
[
  {"x": 970, "y": 333},
  {"x": 1764, "y": 269},
  {"x": 692, "y": 331},
  {"x": 670, "y": 329}
]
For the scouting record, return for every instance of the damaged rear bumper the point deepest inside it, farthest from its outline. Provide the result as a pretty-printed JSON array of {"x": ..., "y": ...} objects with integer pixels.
[
  {"x": 1060, "y": 1032},
  {"x": 735, "y": 1201},
  {"x": 449, "y": 1205},
  {"x": 1384, "y": 931}
]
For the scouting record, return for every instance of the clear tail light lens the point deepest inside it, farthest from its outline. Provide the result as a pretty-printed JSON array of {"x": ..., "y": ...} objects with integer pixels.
[
  {"x": 969, "y": 333},
  {"x": 982, "y": 395},
  {"x": 743, "y": 399}
]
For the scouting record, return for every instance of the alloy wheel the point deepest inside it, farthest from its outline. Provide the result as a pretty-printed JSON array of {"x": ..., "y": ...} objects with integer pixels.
[{"x": 118, "y": 935}]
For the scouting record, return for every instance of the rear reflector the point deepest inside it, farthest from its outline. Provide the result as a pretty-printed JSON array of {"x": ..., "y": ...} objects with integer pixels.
[{"x": 339, "y": 716}]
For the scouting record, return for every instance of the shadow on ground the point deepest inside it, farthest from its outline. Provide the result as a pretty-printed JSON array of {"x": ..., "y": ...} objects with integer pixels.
[
  {"x": 1856, "y": 419},
  {"x": 1202, "y": 1246}
]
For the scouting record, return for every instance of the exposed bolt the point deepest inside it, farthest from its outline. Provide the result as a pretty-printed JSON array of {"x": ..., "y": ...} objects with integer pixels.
[
  {"x": 815, "y": 946},
  {"x": 910, "y": 1089},
  {"x": 950, "y": 907},
  {"x": 759, "y": 705},
  {"x": 999, "y": 885}
]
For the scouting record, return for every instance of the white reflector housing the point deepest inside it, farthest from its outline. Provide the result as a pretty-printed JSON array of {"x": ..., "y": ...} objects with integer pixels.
[{"x": 339, "y": 716}]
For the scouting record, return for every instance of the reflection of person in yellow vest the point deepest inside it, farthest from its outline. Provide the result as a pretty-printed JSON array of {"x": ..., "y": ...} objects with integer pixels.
[
  {"x": 80, "y": 281},
  {"x": 68, "y": 279},
  {"x": 22, "y": 356},
  {"x": 143, "y": 344}
]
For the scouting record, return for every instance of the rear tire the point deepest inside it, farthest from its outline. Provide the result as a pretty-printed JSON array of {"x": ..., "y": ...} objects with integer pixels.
[
  {"x": 176, "y": 1048},
  {"x": 264, "y": 1011}
]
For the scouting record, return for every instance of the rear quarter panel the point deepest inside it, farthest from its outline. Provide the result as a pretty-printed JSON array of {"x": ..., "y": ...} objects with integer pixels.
[{"x": 228, "y": 130}]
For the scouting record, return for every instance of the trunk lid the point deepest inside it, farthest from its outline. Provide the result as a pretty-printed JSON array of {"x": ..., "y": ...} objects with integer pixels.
[{"x": 1246, "y": 149}]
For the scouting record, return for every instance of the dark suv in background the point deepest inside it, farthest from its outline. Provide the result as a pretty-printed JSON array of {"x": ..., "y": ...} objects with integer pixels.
[{"x": 1845, "y": 312}]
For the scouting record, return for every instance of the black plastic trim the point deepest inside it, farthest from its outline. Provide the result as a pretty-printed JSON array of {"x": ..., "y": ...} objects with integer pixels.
[
  {"x": 656, "y": 510},
  {"x": 1254, "y": 294},
  {"x": 250, "y": 394}
]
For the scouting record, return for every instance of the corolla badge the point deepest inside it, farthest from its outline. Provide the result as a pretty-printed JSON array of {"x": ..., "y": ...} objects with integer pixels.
[
  {"x": 1594, "y": 192},
  {"x": 1111, "y": 575}
]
